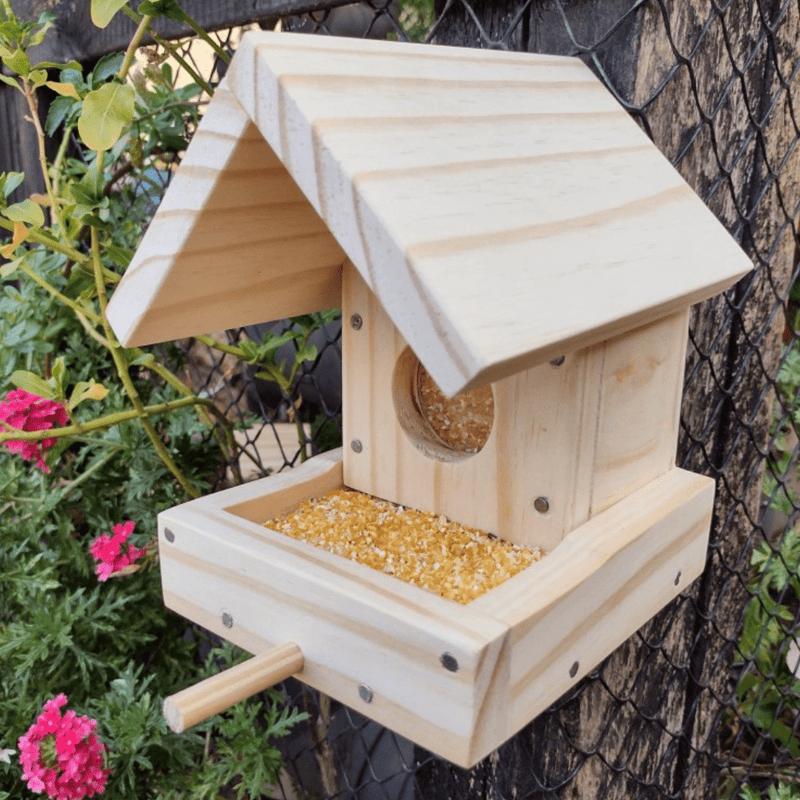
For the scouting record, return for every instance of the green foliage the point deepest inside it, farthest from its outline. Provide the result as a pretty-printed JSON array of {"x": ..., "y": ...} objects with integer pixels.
[
  {"x": 265, "y": 354},
  {"x": 783, "y": 791},
  {"x": 163, "y": 8},
  {"x": 244, "y": 755},
  {"x": 133, "y": 728},
  {"x": 768, "y": 694},
  {"x": 111, "y": 647},
  {"x": 768, "y": 691},
  {"x": 416, "y": 18},
  {"x": 326, "y": 433},
  {"x": 106, "y": 112},
  {"x": 103, "y": 11}
]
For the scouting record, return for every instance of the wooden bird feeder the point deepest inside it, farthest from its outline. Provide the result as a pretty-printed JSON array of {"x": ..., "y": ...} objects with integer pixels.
[{"x": 498, "y": 218}]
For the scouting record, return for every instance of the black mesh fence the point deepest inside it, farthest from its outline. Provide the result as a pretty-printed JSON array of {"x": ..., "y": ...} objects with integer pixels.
[{"x": 703, "y": 701}]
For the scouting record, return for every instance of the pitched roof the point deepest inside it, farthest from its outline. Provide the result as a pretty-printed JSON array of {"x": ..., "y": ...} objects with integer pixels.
[{"x": 502, "y": 206}]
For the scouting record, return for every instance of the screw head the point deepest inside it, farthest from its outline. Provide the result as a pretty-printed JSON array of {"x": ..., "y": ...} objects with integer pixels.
[
  {"x": 169, "y": 535},
  {"x": 365, "y": 693},
  {"x": 227, "y": 620},
  {"x": 558, "y": 361},
  {"x": 449, "y": 662},
  {"x": 541, "y": 504},
  {"x": 678, "y": 578},
  {"x": 356, "y": 445},
  {"x": 356, "y": 322},
  {"x": 573, "y": 670}
]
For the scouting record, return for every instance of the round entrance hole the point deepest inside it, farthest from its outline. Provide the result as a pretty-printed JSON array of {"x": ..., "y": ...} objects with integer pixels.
[{"x": 447, "y": 429}]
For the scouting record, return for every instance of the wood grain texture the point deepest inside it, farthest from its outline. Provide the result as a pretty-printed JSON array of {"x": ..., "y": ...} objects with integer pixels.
[
  {"x": 583, "y": 434},
  {"x": 234, "y": 242},
  {"x": 487, "y": 198},
  {"x": 654, "y": 710},
  {"x": 605, "y": 580},
  {"x": 556, "y": 204},
  {"x": 218, "y": 693},
  {"x": 355, "y": 626}
]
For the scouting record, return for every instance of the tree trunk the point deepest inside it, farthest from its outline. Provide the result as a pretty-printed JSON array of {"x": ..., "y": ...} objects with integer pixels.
[{"x": 647, "y": 723}]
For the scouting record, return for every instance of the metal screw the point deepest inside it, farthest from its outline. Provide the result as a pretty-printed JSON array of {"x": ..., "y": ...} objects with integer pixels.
[
  {"x": 356, "y": 322},
  {"x": 677, "y": 578},
  {"x": 449, "y": 662},
  {"x": 365, "y": 693},
  {"x": 169, "y": 535},
  {"x": 356, "y": 445},
  {"x": 541, "y": 504},
  {"x": 557, "y": 362},
  {"x": 573, "y": 670},
  {"x": 227, "y": 620}
]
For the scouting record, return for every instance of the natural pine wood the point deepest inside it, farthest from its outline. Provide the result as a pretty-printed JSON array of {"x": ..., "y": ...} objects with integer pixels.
[
  {"x": 219, "y": 692},
  {"x": 356, "y": 627},
  {"x": 455, "y": 181},
  {"x": 483, "y": 243},
  {"x": 233, "y": 243},
  {"x": 583, "y": 434}
]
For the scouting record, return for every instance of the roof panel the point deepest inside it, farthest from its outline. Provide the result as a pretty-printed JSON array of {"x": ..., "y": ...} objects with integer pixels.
[{"x": 502, "y": 206}]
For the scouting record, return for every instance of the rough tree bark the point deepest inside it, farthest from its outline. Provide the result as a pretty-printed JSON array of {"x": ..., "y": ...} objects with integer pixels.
[{"x": 709, "y": 85}]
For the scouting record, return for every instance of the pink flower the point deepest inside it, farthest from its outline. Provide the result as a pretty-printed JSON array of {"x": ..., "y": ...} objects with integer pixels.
[
  {"x": 107, "y": 550},
  {"x": 62, "y": 755},
  {"x": 28, "y": 412}
]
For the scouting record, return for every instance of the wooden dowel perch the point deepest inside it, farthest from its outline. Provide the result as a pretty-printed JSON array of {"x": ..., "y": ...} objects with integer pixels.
[{"x": 215, "y": 694}]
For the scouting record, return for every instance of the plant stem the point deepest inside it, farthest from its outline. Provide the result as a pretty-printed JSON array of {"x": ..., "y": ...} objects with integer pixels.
[
  {"x": 51, "y": 243},
  {"x": 206, "y": 38},
  {"x": 121, "y": 365},
  {"x": 172, "y": 51},
  {"x": 190, "y": 71},
  {"x": 33, "y": 107},
  {"x": 182, "y": 104},
  {"x": 92, "y": 331},
  {"x": 227, "y": 443},
  {"x": 107, "y": 421},
  {"x": 221, "y": 346},
  {"x": 130, "y": 53},
  {"x": 59, "y": 159},
  {"x": 39, "y": 280}
]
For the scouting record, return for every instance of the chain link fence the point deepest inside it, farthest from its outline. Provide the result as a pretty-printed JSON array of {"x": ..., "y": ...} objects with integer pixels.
[{"x": 703, "y": 701}]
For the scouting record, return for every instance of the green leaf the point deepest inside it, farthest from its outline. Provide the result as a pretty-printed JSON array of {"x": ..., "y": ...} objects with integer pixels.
[
  {"x": 26, "y": 211},
  {"x": 106, "y": 111},
  {"x": 73, "y": 75},
  {"x": 106, "y": 67},
  {"x": 8, "y": 269},
  {"x": 103, "y": 11},
  {"x": 84, "y": 390},
  {"x": 38, "y": 77},
  {"x": 162, "y": 8},
  {"x": 65, "y": 89},
  {"x": 60, "y": 376},
  {"x": 10, "y": 181},
  {"x": 308, "y": 352},
  {"x": 70, "y": 65},
  {"x": 120, "y": 256},
  {"x": 10, "y": 81},
  {"x": 83, "y": 195},
  {"x": 143, "y": 360},
  {"x": 32, "y": 384},
  {"x": 93, "y": 221},
  {"x": 19, "y": 62},
  {"x": 57, "y": 113}
]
